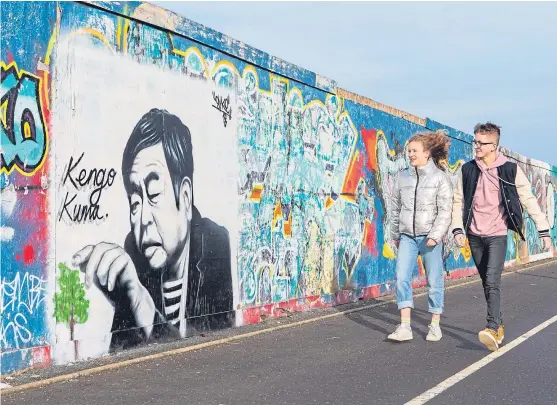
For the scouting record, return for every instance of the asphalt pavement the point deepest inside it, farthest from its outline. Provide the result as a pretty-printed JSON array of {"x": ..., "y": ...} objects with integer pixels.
[{"x": 347, "y": 360}]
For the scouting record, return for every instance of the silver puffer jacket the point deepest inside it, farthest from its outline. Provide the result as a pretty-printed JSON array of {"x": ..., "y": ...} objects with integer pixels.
[{"x": 422, "y": 203}]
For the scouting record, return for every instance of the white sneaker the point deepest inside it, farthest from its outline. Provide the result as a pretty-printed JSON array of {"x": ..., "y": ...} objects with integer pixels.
[
  {"x": 434, "y": 334},
  {"x": 401, "y": 334}
]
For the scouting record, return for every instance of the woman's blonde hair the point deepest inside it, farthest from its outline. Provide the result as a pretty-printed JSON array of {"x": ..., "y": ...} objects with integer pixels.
[{"x": 436, "y": 143}]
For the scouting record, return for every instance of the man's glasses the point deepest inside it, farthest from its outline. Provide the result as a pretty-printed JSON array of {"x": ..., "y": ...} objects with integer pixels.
[{"x": 479, "y": 144}]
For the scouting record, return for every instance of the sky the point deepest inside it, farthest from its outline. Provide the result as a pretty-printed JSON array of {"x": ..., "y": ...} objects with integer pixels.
[{"x": 458, "y": 63}]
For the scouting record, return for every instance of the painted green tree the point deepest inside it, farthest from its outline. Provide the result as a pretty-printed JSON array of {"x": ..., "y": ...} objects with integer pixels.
[{"x": 70, "y": 305}]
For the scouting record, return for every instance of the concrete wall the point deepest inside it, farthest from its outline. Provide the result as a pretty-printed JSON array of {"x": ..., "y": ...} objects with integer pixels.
[{"x": 286, "y": 206}]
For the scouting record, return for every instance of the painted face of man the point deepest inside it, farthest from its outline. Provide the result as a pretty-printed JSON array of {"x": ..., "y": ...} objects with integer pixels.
[{"x": 160, "y": 228}]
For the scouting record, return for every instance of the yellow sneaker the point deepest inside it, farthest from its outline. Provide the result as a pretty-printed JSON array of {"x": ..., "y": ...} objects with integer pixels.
[
  {"x": 500, "y": 334},
  {"x": 489, "y": 338}
]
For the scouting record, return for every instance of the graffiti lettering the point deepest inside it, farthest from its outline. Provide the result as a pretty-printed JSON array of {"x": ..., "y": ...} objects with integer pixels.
[
  {"x": 223, "y": 105},
  {"x": 97, "y": 179},
  {"x": 24, "y": 133},
  {"x": 19, "y": 299}
]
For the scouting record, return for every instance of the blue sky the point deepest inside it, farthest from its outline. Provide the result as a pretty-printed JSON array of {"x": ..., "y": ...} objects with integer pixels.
[{"x": 457, "y": 63}]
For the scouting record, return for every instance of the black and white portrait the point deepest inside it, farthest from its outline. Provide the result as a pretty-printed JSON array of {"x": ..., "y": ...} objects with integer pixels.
[
  {"x": 173, "y": 269},
  {"x": 146, "y": 207}
]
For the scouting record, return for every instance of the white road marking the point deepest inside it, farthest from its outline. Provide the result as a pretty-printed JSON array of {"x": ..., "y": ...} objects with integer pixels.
[{"x": 449, "y": 382}]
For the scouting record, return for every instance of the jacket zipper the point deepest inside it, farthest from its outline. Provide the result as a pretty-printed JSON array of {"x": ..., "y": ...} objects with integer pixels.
[{"x": 415, "y": 200}]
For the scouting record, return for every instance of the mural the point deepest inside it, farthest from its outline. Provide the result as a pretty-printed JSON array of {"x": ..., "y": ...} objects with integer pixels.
[
  {"x": 25, "y": 250},
  {"x": 543, "y": 178},
  {"x": 158, "y": 183},
  {"x": 146, "y": 221}
]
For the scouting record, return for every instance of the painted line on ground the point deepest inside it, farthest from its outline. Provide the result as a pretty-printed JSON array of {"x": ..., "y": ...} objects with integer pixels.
[
  {"x": 449, "y": 382},
  {"x": 218, "y": 342}
]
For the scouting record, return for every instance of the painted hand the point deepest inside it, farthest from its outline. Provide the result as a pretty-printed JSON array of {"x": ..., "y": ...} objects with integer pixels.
[
  {"x": 109, "y": 263},
  {"x": 460, "y": 240},
  {"x": 431, "y": 243}
]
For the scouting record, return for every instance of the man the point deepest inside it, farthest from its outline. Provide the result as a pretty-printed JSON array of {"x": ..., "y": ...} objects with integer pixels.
[
  {"x": 487, "y": 203},
  {"x": 174, "y": 264}
]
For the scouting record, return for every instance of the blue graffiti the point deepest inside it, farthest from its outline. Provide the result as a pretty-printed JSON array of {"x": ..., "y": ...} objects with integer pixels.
[{"x": 24, "y": 135}]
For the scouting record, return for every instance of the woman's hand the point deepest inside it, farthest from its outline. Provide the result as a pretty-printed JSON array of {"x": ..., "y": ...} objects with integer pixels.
[{"x": 431, "y": 243}]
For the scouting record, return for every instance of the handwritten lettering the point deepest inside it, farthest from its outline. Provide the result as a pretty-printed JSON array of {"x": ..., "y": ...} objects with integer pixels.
[
  {"x": 20, "y": 300},
  {"x": 223, "y": 105},
  {"x": 95, "y": 179}
]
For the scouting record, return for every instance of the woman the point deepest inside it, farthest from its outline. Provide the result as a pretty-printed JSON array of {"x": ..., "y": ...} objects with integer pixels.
[{"x": 421, "y": 216}]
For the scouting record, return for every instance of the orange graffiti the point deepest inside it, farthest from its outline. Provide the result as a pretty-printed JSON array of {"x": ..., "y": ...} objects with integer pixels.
[
  {"x": 369, "y": 136},
  {"x": 329, "y": 202},
  {"x": 256, "y": 193},
  {"x": 287, "y": 229},
  {"x": 370, "y": 237},
  {"x": 421, "y": 269},
  {"x": 353, "y": 176},
  {"x": 277, "y": 214}
]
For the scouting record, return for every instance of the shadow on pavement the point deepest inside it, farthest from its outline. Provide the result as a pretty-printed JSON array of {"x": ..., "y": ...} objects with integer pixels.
[{"x": 383, "y": 319}]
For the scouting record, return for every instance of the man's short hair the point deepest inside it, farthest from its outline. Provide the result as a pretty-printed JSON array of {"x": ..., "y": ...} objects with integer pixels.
[
  {"x": 488, "y": 128},
  {"x": 159, "y": 126}
]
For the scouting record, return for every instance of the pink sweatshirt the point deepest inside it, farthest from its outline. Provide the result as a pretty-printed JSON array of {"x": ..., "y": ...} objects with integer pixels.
[{"x": 488, "y": 212}]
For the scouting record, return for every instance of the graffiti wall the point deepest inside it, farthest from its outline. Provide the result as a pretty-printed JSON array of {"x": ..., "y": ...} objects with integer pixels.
[
  {"x": 159, "y": 179},
  {"x": 25, "y": 231}
]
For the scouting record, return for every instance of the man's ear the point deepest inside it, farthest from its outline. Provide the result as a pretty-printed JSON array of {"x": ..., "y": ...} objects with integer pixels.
[{"x": 186, "y": 196}]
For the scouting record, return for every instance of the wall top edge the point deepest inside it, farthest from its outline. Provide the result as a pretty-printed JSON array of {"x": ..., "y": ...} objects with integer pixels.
[
  {"x": 380, "y": 106},
  {"x": 453, "y": 133},
  {"x": 165, "y": 19}
]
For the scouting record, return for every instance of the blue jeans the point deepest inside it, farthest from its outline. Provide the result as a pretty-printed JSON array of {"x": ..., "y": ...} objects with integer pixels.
[{"x": 408, "y": 251}]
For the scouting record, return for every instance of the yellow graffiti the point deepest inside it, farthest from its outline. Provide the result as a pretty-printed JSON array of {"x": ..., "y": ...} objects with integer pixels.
[
  {"x": 328, "y": 282},
  {"x": 466, "y": 253},
  {"x": 119, "y": 33},
  {"x": 388, "y": 251},
  {"x": 42, "y": 94},
  {"x": 53, "y": 37},
  {"x": 3, "y": 112},
  {"x": 312, "y": 261},
  {"x": 453, "y": 168},
  {"x": 277, "y": 214}
]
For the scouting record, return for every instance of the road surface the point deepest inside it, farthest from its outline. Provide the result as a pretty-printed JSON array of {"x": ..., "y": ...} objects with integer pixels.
[{"x": 347, "y": 360}]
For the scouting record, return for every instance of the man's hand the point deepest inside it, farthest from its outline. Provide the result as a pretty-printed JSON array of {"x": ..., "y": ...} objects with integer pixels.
[
  {"x": 460, "y": 240},
  {"x": 431, "y": 243},
  {"x": 109, "y": 263},
  {"x": 546, "y": 243}
]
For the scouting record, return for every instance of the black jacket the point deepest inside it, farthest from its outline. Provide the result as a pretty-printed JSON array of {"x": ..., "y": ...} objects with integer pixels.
[{"x": 508, "y": 174}]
